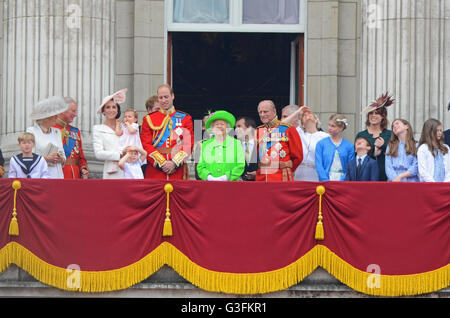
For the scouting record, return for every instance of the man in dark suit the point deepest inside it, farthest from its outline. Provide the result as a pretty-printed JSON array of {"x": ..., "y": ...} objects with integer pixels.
[
  {"x": 246, "y": 132},
  {"x": 362, "y": 167},
  {"x": 447, "y": 132}
]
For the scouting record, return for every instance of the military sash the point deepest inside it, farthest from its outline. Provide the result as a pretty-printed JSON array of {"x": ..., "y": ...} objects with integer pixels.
[
  {"x": 169, "y": 125},
  {"x": 272, "y": 138},
  {"x": 70, "y": 141}
]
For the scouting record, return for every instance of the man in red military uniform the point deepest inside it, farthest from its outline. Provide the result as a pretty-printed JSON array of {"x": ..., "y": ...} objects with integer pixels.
[
  {"x": 279, "y": 146},
  {"x": 168, "y": 137},
  {"x": 76, "y": 165}
]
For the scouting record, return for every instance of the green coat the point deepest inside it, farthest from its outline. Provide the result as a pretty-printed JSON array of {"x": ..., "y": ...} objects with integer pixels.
[{"x": 221, "y": 159}]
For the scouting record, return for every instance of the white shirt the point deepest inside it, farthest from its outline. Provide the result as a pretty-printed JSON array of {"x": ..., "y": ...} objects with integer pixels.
[
  {"x": 425, "y": 161},
  {"x": 39, "y": 169},
  {"x": 306, "y": 171},
  {"x": 41, "y": 142},
  {"x": 133, "y": 170}
]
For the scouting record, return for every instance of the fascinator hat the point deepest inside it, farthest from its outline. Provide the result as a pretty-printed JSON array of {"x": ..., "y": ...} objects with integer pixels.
[
  {"x": 384, "y": 100},
  {"x": 49, "y": 107},
  {"x": 220, "y": 114},
  {"x": 118, "y": 97}
]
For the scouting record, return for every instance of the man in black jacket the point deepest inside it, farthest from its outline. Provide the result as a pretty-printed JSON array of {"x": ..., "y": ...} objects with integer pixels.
[
  {"x": 447, "y": 132},
  {"x": 2, "y": 163},
  {"x": 246, "y": 132}
]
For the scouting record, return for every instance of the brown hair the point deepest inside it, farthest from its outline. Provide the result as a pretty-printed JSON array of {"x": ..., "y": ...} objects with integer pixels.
[
  {"x": 429, "y": 136},
  {"x": 410, "y": 142},
  {"x": 151, "y": 102},
  {"x": 26, "y": 136},
  {"x": 384, "y": 121}
]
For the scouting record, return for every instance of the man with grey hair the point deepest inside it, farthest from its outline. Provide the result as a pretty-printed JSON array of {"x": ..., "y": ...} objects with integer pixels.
[
  {"x": 288, "y": 111},
  {"x": 76, "y": 165},
  {"x": 279, "y": 146}
]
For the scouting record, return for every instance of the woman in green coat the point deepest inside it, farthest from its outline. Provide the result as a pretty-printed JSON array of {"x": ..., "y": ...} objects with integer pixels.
[{"x": 222, "y": 157}]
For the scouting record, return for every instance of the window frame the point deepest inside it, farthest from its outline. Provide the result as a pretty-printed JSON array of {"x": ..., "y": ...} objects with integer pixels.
[{"x": 235, "y": 24}]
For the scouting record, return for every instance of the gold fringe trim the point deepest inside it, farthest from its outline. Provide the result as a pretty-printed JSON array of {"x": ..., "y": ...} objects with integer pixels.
[{"x": 232, "y": 283}]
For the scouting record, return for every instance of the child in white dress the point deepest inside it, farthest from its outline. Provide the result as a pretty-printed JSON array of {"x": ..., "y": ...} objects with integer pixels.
[{"x": 128, "y": 131}]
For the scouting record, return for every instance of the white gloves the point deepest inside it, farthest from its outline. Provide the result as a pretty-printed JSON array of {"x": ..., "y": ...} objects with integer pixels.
[{"x": 221, "y": 178}]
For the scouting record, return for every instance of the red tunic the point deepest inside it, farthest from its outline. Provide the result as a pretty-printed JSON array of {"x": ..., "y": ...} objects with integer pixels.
[
  {"x": 75, "y": 160},
  {"x": 280, "y": 152},
  {"x": 167, "y": 135}
]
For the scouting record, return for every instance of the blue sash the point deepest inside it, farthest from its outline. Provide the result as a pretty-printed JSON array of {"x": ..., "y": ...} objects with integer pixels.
[
  {"x": 172, "y": 125},
  {"x": 68, "y": 146},
  {"x": 273, "y": 138}
]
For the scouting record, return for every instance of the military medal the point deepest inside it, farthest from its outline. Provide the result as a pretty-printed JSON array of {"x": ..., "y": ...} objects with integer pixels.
[
  {"x": 178, "y": 130},
  {"x": 278, "y": 146}
]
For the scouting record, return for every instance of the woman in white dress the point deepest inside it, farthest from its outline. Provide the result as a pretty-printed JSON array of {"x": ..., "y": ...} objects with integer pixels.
[
  {"x": 105, "y": 141},
  {"x": 48, "y": 141}
]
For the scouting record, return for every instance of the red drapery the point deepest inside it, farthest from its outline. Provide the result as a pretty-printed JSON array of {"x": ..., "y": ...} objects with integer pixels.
[{"x": 239, "y": 237}]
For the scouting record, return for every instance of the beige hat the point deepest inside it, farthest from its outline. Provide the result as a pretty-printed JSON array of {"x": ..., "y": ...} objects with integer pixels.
[
  {"x": 383, "y": 101},
  {"x": 49, "y": 107},
  {"x": 119, "y": 97}
]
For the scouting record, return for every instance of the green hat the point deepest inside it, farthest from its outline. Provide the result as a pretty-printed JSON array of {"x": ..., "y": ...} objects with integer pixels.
[{"x": 220, "y": 114}]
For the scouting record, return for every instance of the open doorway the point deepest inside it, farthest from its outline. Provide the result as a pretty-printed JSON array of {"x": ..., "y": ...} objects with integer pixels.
[{"x": 233, "y": 71}]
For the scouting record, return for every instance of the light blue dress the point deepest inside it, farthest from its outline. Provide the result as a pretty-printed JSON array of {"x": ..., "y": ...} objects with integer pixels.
[
  {"x": 439, "y": 169},
  {"x": 400, "y": 164}
]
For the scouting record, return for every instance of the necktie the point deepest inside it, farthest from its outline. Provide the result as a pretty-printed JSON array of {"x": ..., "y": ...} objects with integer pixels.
[
  {"x": 358, "y": 168},
  {"x": 247, "y": 152}
]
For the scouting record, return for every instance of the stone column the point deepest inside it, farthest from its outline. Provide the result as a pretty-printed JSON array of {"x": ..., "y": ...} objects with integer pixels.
[
  {"x": 406, "y": 51},
  {"x": 55, "y": 47}
]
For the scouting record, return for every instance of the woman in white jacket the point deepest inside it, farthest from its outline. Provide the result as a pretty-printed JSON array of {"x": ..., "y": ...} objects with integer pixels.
[
  {"x": 433, "y": 155},
  {"x": 105, "y": 141},
  {"x": 48, "y": 141}
]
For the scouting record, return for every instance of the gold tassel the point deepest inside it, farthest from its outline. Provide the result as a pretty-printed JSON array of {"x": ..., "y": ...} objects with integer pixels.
[
  {"x": 319, "y": 231},
  {"x": 167, "y": 230},
  {"x": 320, "y": 235},
  {"x": 14, "y": 225}
]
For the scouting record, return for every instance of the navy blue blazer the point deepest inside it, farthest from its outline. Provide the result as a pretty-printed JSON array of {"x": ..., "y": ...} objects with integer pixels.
[
  {"x": 447, "y": 137},
  {"x": 369, "y": 170}
]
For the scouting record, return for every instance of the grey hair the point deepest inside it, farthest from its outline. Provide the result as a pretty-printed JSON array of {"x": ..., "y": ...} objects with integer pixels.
[
  {"x": 69, "y": 100},
  {"x": 271, "y": 103},
  {"x": 290, "y": 108}
]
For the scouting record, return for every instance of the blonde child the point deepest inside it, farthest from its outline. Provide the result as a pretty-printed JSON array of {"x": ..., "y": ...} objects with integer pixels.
[
  {"x": 128, "y": 131},
  {"x": 433, "y": 155},
  {"x": 401, "y": 153},
  {"x": 333, "y": 153},
  {"x": 131, "y": 162},
  {"x": 28, "y": 164}
]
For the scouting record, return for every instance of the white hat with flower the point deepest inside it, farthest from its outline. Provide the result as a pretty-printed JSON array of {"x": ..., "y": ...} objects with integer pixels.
[{"x": 118, "y": 97}]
